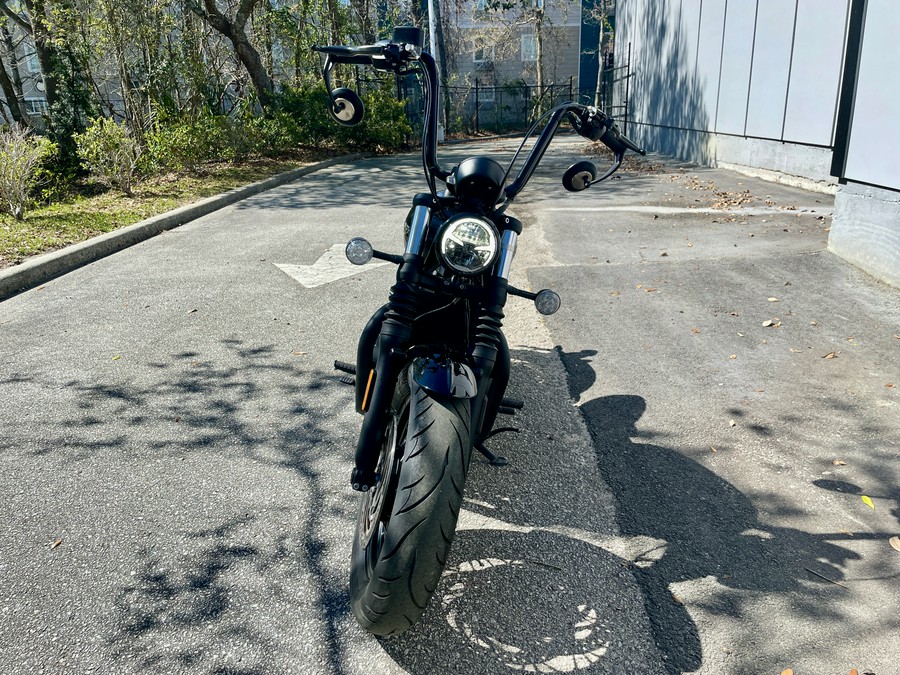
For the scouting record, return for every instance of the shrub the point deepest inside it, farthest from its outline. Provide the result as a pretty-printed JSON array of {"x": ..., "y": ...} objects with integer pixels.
[
  {"x": 299, "y": 118},
  {"x": 21, "y": 155},
  {"x": 182, "y": 145},
  {"x": 384, "y": 127},
  {"x": 109, "y": 151}
]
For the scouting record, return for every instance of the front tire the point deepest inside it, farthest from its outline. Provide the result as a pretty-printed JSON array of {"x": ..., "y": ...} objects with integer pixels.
[{"x": 408, "y": 519}]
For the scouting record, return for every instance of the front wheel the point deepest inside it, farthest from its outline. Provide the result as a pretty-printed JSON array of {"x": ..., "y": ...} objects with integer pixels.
[{"x": 408, "y": 519}]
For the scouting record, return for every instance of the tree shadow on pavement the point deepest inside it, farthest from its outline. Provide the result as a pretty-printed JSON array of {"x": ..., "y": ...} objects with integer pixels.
[{"x": 260, "y": 584}]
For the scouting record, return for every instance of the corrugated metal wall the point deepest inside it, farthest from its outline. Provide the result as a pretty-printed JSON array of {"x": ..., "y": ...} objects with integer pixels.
[{"x": 766, "y": 69}]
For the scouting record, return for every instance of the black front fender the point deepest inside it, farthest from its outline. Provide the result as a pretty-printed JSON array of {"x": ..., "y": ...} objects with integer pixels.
[{"x": 442, "y": 376}]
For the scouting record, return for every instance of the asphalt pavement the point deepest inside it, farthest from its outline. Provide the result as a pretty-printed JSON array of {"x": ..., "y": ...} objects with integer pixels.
[{"x": 684, "y": 492}]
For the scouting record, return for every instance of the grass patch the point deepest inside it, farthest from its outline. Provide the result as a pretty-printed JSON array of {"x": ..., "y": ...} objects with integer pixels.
[{"x": 86, "y": 214}]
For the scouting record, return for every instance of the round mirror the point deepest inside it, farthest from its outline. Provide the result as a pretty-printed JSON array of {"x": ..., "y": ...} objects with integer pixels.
[
  {"x": 348, "y": 108},
  {"x": 579, "y": 176}
]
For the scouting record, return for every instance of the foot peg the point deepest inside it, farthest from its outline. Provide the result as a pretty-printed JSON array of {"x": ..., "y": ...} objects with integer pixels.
[
  {"x": 345, "y": 367},
  {"x": 512, "y": 403}
]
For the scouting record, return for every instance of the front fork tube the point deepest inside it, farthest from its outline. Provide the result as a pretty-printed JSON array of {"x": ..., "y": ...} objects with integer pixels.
[
  {"x": 490, "y": 356},
  {"x": 393, "y": 342}
]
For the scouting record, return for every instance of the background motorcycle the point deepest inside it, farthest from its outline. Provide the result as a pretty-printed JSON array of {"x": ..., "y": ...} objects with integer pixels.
[{"x": 432, "y": 364}]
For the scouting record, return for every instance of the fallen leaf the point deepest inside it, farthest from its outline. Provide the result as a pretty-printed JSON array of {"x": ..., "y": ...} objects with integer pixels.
[
  {"x": 733, "y": 314},
  {"x": 676, "y": 599},
  {"x": 713, "y": 449},
  {"x": 839, "y": 462},
  {"x": 759, "y": 391},
  {"x": 192, "y": 311},
  {"x": 787, "y": 671},
  {"x": 889, "y": 385},
  {"x": 695, "y": 330},
  {"x": 55, "y": 544},
  {"x": 813, "y": 323},
  {"x": 795, "y": 351},
  {"x": 733, "y": 356},
  {"x": 868, "y": 502},
  {"x": 731, "y": 423},
  {"x": 854, "y": 671},
  {"x": 895, "y": 543},
  {"x": 847, "y": 532},
  {"x": 768, "y": 323},
  {"x": 117, "y": 357},
  {"x": 831, "y": 355},
  {"x": 663, "y": 254},
  {"x": 299, "y": 353},
  {"x": 774, "y": 300},
  {"x": 615, "y": 294},
  {"x": 649, "y": 290}
]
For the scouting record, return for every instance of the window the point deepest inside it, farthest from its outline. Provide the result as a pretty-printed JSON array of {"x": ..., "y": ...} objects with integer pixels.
[
  {"x": 487, "y": 94},
  {"x": 483, "y": 55},
  {"x": 31, "y": 61},
  {"x": 529, "y": 47},
  {"x": 35, "y": 106}
]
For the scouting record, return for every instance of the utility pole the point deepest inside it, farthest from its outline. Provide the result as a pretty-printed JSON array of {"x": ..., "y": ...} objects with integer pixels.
[{"x": 433, "y": 28}]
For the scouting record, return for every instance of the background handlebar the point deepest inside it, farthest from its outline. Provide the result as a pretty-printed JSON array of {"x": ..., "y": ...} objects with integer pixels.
[
  {"x": 341, "y": 50},
  {"x": 360, "y": 56},
  {"x": 593, "y": 124}
]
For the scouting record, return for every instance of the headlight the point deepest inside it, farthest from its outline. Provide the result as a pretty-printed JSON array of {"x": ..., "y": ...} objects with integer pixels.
[{"x": 468, "y": 244}]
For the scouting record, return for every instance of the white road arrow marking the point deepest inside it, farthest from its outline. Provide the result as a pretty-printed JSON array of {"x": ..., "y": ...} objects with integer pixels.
[{"x": 333, "y": 265}]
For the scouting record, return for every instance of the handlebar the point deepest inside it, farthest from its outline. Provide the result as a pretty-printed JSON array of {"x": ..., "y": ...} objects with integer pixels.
[{"x": 404, "y": 51}]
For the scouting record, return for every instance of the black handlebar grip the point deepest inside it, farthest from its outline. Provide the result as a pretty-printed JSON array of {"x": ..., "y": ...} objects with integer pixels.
[{"x": 618, "y": 142}]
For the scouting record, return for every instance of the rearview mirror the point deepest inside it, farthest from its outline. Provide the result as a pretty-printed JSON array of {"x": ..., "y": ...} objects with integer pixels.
[
  {"x": 347, "y": 107},
  {"x": 579, "y": 176}
]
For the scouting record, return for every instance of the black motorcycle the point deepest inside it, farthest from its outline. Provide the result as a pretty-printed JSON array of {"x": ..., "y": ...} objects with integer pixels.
[{"x": 433, "y": 364}]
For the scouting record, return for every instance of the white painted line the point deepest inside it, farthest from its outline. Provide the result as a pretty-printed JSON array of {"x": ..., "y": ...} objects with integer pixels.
[{"x": 672, "y": 210}]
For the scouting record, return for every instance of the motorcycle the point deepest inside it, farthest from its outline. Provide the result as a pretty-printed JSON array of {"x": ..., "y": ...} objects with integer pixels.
[{"x": 432, "y": 365}]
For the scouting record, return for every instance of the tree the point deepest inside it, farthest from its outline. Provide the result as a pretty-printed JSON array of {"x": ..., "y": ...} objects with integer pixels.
[
  {"x": 518, "y": 14},
  {"x": 12, "y": 81},
  {"x": 34, "y": 24},
  {"x": 235, "y": 30},
  {"x": 599, "y": 13},
  {"x": 12, "y": 95}
]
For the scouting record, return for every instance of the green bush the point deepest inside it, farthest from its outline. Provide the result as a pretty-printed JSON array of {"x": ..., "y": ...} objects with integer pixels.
[
  {"x": 299, "y": 119},
  {"x": 109, "y": 151},
  {"x": 183, "y": 145},
  {"x": 384, "y": 127},
  {"x": 21, "y": 156}
]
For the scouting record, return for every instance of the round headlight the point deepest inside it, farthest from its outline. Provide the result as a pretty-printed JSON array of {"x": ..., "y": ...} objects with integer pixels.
[{"x": 468, "y": 244}]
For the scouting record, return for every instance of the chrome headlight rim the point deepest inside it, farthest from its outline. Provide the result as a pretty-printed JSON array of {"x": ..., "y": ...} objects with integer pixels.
[{"x": 449, "y": 229}]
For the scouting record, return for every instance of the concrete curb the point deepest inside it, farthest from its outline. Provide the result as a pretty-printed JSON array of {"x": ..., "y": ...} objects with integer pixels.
[{"x": 43, "y": 268}]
